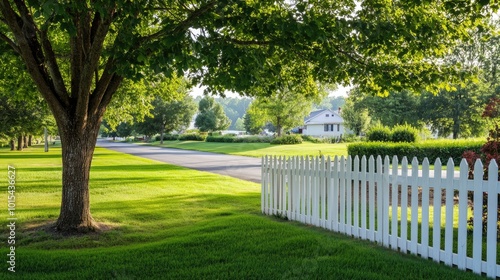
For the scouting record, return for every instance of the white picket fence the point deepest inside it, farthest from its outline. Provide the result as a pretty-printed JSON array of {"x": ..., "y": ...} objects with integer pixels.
[{"x": 356, "y": 197}]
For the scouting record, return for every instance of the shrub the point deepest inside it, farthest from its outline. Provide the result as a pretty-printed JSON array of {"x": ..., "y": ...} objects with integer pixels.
[
  {"x": 433, "y": 149},
  {"x": 312, "y": 139},
  {"x": 167, "y": 137},
  {"x": 287, "y": 140},
  {"x": 489, "y": 151},
  {"x": 192, "y": 137},
  {"x": 404, "y": 133},
  {"x": 253, "y": 139},
  {"x": 379, "y": 133},
  {"x": 223, "y": 139}
]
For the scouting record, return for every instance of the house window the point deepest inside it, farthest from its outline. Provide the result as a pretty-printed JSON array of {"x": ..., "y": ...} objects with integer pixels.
[
  {"x": 331, "y": 127},
  {"x": 338, "y": 127},
  {"x": 326, "y": 127},
  {"x": 327, "y": 115}
]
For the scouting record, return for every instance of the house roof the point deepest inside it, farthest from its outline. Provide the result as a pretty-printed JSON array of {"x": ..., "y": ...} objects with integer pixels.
[{"x": 314, "y": 114}]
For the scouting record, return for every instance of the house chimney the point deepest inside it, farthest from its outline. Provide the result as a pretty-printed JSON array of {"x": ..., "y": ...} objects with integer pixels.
[{"x": 339, "y": 110}]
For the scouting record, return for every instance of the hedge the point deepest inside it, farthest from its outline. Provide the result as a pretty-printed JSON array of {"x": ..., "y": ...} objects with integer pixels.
[
  {"x": 192, "y": 137},
  {"x": 287, "y": 140},
  {"x": 168, "y": 137},
  {"x": 443, "y": 149},
  {"x": 233, "y": 139}
]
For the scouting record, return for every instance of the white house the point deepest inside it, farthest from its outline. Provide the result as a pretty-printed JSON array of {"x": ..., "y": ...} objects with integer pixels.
[{"x": 324, "y": 123}]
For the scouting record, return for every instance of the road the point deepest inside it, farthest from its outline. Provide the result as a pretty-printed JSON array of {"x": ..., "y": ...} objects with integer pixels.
[{"x": 241, "y": 167}]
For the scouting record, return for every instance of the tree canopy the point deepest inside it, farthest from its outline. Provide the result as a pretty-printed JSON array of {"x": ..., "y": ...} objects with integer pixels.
[{"x": 211, "y": 116}]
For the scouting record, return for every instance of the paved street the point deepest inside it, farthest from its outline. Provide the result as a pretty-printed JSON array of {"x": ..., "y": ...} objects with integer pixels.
[{"x": 245, "y": 168}]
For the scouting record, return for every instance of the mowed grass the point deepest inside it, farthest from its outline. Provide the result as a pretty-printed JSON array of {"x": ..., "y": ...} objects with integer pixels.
[
  {"x": 169, "y": 222},
  {"x": 260, "y": 149}
]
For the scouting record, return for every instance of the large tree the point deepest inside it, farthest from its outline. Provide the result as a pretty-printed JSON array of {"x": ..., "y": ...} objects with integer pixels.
[
  {"x": 211, "y": 116},
  {"x": 168, "y": 116},
  {"x": 78, "y": 53}
]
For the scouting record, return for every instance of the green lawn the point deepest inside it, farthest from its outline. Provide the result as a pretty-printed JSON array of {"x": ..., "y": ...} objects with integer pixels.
[
  {"x": 170, "y": 222},
  {"x": 259, "y": 149}
]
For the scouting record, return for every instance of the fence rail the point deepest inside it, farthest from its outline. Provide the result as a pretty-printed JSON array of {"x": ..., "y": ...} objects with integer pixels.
[{"x": 393, "y": 203}]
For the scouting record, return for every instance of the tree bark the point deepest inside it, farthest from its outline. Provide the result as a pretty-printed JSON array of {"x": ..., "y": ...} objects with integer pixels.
[
  {"x": 25, "y": 141},
  {"x": 162, "y": 132},
  {"x": 20, "y": 143},
  {"x": 77, "y": 152},
  {"x": 30, "y": 140},
  {"x": 12, "y": 144}
]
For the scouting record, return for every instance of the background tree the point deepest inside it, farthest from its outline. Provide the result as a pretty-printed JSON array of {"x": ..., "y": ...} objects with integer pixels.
[
  {"x": 211, "y": 116},
  {"x": 234, "y": 108},
  {"x": 168, "y": 116},
  {"x": 355, "y": 119},
  {"x": 286, "y": 108},
  {"x": 224, "y": 45}
]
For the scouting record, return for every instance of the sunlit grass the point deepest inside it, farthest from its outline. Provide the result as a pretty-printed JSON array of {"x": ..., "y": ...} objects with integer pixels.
[
  {"x": 169, "y": 222},
  {"x": 260, "y": 149}
]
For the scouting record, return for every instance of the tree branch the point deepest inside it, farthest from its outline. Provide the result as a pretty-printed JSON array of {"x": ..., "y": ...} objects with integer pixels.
[
  {"x": 53, "y": 68},
  {"x": 11, "y": 43},
  {"x": 183, "y": 25},
  {"x": 24, "y": 30}
]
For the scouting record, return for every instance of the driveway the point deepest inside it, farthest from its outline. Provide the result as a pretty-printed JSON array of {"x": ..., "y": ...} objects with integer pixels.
[{"x": 241, "y": 167}]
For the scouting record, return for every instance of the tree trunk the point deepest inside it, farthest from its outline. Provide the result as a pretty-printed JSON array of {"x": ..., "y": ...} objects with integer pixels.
[
  {"x": 77, "y": 152},
  {"x": 20, "y": 143},
  {"x": 12, "y": 144},
  {"x": 162, "y": 132},
  {"x": 25, "y": 141},
  {"x": 30, "y": 140}
]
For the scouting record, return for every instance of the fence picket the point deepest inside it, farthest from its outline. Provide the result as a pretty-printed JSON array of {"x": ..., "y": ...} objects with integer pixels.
[
  {"x": 491, "y": 234},
  {"x": 379, "y": 195},
  {"x": 355, "y": 198},
  {"x": 322, "y": 185},
  {"x": 385, "y": 201},
  {"x": 364, "y": 212},
  {"x": 394, "y": 204},
  {"x": 371, "y": 195},
  {"x": 462, "y": 215},
  {"x": 348, "y": 188},
  {"x": 448, "y": 235},
  {"x": 414, "y": 206},
  {"x": 342, "y": 199},
  {"x": 356, "y": 202},
  {"x": 335, "y": 196},
  {"x": 425, "y": 209},
  {"x": 478, "y": 227},
  {"x": 436, "y": 233}
]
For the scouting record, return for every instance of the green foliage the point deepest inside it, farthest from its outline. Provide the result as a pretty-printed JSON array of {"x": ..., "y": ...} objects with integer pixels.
[
  {"x": 223, "y": 139},
  {"x": 379, "y": 133},
  {"x": 243, "y": 139},
  {"x": 287, "y": 140},
  {"x": 192, "y": 137},
  {"x": 432, "y": 149},
  {"x": 404, "y": 133},
  {"x": 168, "y": 137},
  {"x": 211, "y": 116}
]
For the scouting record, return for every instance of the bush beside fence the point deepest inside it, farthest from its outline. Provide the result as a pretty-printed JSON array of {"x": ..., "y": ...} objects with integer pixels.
[{"x": 431, "y": 150}]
